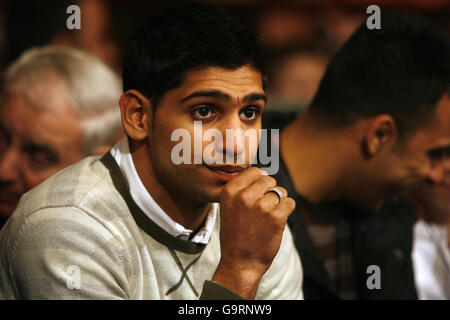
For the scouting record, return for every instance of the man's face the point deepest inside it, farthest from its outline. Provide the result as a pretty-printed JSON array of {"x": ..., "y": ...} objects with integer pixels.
[
  {"x": 220, "y": 99},
  {"x": 420, "y": 158},
  {"x": 35, "y": 142},
  {"x": 434, "y": 198}
]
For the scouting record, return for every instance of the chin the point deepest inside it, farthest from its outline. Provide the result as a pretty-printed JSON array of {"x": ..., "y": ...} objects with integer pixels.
[
  {"x": 213, "y": 194},
  {"x": 203, "y": 193}
]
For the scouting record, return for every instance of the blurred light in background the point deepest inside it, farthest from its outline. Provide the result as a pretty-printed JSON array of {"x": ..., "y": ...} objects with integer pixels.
[{"x": 297, "y": 36}]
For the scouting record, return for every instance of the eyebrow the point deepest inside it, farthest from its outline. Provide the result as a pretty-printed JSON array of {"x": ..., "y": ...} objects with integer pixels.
[{"x": 224, "y": 96}]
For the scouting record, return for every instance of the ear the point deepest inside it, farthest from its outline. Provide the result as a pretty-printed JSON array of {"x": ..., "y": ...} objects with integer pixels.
[
  {"x": 381, "y": 132},
  {"x": 136, "y": 110}
]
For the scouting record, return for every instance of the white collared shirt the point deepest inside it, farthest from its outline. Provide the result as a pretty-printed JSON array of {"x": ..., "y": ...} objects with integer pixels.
[
  {"x": 121, "y": 153},
  {"x": 431, "y": 260}
]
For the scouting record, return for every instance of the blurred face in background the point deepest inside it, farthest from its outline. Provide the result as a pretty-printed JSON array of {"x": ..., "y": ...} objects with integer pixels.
[
  {"x": 426, "y": 151},
  {"x": 35, "y": 141},
  {"x": 433, "y": 200},
  {"x": 407, "y": 164}
]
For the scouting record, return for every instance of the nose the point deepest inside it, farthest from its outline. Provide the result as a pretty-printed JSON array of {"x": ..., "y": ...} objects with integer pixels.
[
  {"x": 436, "y": 174},
  {"x": 9, "y": 160},
  {"x": 232, "y": 145}
]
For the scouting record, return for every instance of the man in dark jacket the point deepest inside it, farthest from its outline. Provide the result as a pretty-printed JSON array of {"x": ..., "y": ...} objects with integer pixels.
[{"x": 377, "y": 125}]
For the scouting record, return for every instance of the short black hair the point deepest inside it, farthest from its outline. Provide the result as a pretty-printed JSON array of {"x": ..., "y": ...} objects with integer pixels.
[
  {"x": 402, "y": 69},
  {"x": 186, "y": 37}
]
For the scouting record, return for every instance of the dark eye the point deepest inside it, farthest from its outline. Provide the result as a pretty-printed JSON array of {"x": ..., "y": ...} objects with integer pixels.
[
  {"x": 439, "y": 153},
  {"x": 40, "y": 159},
  {"x": 202, "y": 113},
  {"x": 249, "y": 113}
]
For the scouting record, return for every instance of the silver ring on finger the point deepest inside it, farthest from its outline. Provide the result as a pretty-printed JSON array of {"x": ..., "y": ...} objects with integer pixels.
[{"x": 278, "y": 191}]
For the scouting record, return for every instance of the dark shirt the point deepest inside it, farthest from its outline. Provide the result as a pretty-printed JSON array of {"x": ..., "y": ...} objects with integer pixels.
[
  {"x": 383, "y": 240},
  {"x": 2, "y": 221}
]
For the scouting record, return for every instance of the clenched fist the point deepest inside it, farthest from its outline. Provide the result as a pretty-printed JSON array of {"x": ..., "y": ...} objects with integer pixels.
[{"x": 251, "y": 229}]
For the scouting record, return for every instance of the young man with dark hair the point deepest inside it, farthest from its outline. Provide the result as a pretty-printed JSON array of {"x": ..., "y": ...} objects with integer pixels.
[
  {"x": 377, "y": 124},
  {"x": 136, "y": 225}
]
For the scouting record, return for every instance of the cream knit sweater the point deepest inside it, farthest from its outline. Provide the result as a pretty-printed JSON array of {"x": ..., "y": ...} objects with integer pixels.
[{"x": 79, "y": 235}]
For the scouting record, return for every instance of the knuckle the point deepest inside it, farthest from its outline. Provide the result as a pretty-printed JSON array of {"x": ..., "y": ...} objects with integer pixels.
[
  {"x": 227, "y": 191},
  {"x": 279, "y": 218},
  {"x": 270, "y": 180},
  {"x": 261, "y": 206},
  {"x": 286, "y": 207},
  {"x": 290, "y": 204},
  {"x": 254, "y": 171},
  {"x": 289, "y": 207},
  {"x": 245, "y": 197}
]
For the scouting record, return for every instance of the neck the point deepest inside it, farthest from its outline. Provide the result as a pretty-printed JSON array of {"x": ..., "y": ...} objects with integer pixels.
[
  {"x": 315, "y": 159},
  {"x": 179, "y": 207}
]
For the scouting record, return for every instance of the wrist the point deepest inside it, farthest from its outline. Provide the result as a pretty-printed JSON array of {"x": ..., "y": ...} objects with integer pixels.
[{"x": 243, "y": 280}]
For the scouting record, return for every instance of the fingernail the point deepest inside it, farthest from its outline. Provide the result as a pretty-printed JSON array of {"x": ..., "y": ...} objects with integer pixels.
[{"x": 264, "y": 173}]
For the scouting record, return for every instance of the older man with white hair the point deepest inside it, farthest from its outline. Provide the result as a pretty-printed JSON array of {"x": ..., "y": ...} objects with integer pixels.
[{"x": 58, "y": 106}]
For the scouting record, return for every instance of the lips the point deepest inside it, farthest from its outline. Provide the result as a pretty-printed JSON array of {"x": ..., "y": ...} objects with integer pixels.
[
  {"x": 228, "y": 169},
  {"x": 226, "y": 173}
]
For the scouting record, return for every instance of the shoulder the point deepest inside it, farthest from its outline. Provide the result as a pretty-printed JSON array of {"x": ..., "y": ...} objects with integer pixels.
[
  {"x": 79, "y": 201},
  {"x": 38, "y": 257},
  {"x": 74, "y": 218},
  {"x": 83, "y": 185},
  {"x": 64, "y": 188}
]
